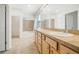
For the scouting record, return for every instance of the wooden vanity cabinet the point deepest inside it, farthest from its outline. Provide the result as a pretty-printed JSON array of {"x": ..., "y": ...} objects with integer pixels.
[{"x": 47, "y": 45}]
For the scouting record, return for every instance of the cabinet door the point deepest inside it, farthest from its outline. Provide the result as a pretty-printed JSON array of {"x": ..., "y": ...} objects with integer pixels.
[
  {"x": 39, "y": 42},
  {"x": 51, "y": 42},
  {"x": 45, "y": 47},
  {"x": 43, "y": 37},
  {"x": 53, "y": 51},
  {"x": 65, "y": 50}
]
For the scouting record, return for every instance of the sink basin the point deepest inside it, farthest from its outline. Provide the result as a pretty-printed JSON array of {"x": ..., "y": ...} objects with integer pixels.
[{"x": 61, "y": 34}]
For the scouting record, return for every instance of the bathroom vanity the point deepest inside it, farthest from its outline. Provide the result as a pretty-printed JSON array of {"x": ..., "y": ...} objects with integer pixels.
[{"x": 54, "y": 42}]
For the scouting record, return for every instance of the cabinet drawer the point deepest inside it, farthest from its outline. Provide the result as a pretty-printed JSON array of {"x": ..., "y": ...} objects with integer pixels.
[
  {"x": 35, "y": 35},
  {"x": 39, "y": 34},
  {"x": 52, "y": 42},
  {"x": 65, "y": 50},
  {"x": 53, "y": 51},
  {"x": 43, "y": 37}
]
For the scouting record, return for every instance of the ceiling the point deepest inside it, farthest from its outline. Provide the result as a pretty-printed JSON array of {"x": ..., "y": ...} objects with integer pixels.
[
  {"x": 48, "y": 9},
  {"x": 27, "y": 8},
  {"x": 58, "y": 8}
]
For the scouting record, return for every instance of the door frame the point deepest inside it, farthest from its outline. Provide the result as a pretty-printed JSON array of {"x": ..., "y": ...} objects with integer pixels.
[{"x": 5, "y": 29}]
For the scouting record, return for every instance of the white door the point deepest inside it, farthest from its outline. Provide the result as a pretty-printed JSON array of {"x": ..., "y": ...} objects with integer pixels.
[
  {"x": 15, "y": 26},
  {"x": 2, "y": 27}
]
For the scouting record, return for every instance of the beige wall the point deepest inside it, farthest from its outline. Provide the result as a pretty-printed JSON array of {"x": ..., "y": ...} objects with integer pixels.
[
  {"x": 28, "y": 25},
  {"x": 15, "y": 26}
]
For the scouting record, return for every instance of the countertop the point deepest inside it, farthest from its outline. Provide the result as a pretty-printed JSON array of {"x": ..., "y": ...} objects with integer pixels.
[{"x": 70, "y": 41}]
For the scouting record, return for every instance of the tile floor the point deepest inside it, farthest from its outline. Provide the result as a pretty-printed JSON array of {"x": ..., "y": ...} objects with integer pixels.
[{"x": 24, "y": 45}]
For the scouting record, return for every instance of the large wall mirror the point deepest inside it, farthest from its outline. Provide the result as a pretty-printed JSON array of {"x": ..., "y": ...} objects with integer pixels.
[
  {"x": 48, "y": 24},
  {"x": 71, "y": 21}
]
